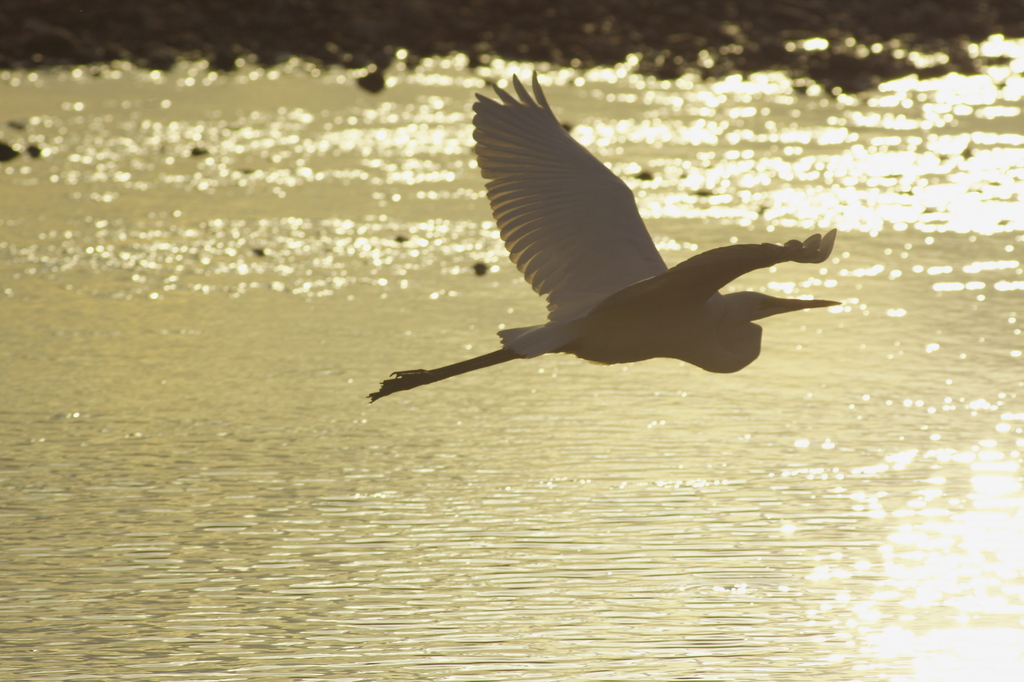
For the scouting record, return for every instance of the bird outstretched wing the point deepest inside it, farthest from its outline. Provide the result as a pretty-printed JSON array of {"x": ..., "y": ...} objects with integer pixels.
[
  {"x": 569, "y": 224},
  {"x": 695, "y": 280}
]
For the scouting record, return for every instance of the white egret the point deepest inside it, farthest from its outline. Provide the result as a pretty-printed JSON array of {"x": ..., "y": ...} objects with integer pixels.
[{"x": 572, "y": 228}]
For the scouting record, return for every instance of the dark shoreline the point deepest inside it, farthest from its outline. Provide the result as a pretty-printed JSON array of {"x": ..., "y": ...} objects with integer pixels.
[{"x": 712, "y": 37}]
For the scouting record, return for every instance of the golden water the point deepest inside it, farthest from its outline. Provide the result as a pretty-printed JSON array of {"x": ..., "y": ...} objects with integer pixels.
[{"x": 194, "y": 487}]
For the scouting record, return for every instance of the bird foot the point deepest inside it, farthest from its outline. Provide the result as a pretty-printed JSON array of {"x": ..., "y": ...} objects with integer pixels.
[
  {"x": 408, "y": 372},
  {"x": 402, "y": 381}
]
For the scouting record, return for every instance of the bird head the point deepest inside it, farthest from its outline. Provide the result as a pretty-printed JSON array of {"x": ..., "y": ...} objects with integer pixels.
[{"x": 747, "y": 306}]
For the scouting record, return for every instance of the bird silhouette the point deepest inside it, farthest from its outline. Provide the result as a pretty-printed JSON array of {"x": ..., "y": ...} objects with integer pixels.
[{"x": 572, "y": 228}]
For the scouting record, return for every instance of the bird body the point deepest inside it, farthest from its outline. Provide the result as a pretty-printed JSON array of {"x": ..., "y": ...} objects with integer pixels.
[
  {"x": 572, "y": 228},
  {"x": 627, "y": 332}
]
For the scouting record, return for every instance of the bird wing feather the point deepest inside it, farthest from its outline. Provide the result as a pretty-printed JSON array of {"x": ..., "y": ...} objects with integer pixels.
[
  {"x": 570, "y": 225},
  {"x": 696, "y": 279}
]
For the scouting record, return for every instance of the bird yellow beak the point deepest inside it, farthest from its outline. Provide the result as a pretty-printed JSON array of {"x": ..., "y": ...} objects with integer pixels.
[
  {"x": 776, "y": 306},
  {"x": 790, "y": 304}
]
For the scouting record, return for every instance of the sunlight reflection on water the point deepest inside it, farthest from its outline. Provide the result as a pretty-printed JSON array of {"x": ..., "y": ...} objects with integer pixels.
[{"x": 196, "y": 263}]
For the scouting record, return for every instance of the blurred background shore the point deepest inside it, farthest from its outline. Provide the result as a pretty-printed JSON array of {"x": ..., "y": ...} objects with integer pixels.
[{"x": 854, "y": 44}]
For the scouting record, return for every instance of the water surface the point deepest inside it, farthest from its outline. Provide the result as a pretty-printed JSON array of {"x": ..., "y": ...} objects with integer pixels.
[{"x": 203, "y": 276}]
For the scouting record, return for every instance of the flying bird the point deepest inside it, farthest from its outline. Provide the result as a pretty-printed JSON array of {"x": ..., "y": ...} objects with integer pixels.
[{"x": 572, "y": 228}]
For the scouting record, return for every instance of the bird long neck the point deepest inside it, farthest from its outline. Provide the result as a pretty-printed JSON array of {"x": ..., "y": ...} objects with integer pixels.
[
  {"x": 732, "y": 343},
  {"x": 742, "y": 345},
  {"x": 403, "y": 381}
]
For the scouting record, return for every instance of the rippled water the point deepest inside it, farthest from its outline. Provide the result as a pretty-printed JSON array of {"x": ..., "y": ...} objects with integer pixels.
[{"x": 202, "y": 277}]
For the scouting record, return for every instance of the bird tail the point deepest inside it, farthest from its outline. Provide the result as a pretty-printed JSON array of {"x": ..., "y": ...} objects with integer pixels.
[
  {"x": 529, "y": 342},
  {"x": 403, "y": 381}
]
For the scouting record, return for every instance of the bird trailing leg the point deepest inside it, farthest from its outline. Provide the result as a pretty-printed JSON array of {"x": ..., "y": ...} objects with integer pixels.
[{"x": 403, "y": 381}]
